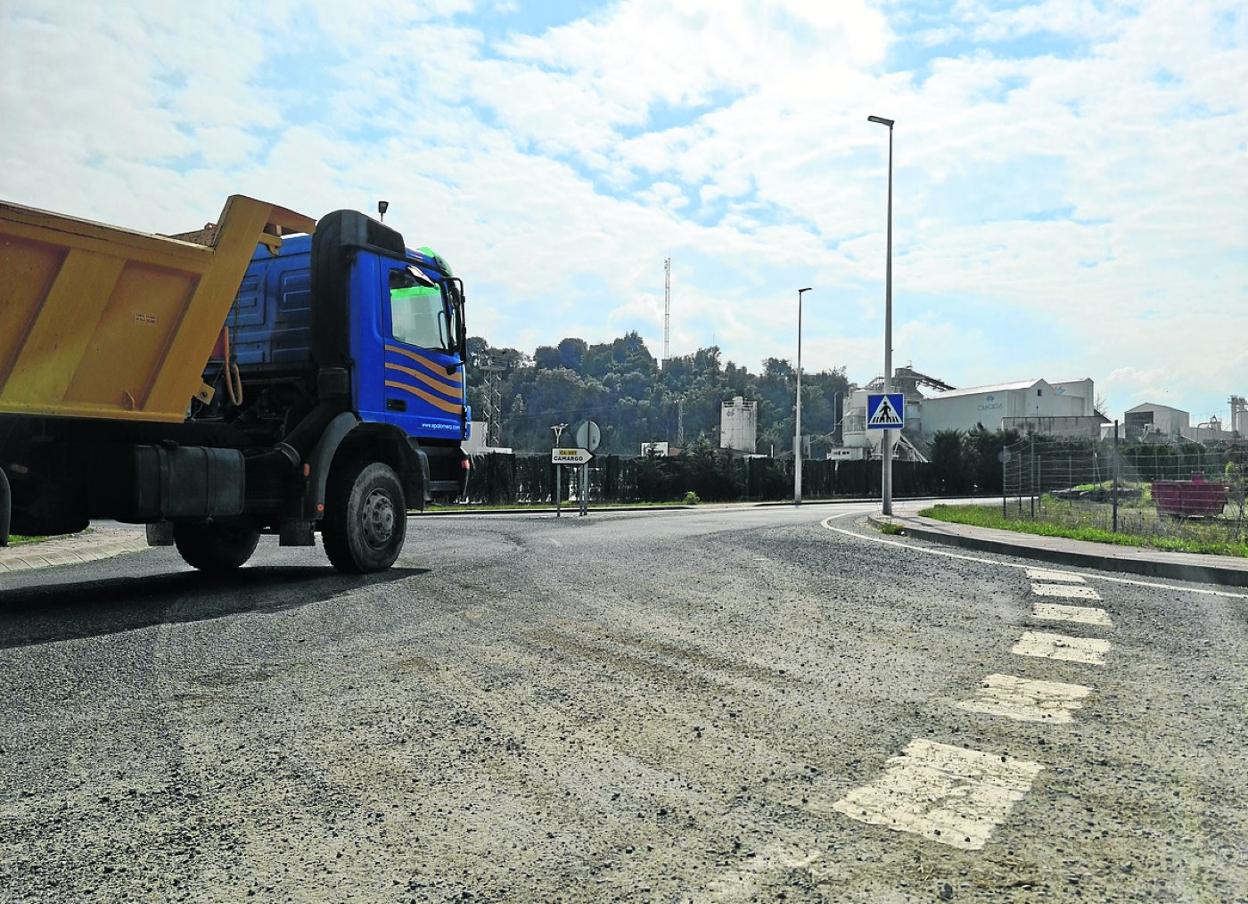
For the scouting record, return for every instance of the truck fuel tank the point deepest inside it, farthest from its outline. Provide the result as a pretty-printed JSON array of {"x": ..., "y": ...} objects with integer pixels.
[{"x": 147, "y": 483}]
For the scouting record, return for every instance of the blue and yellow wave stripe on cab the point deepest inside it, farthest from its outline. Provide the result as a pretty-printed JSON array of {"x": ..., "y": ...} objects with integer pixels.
[{"x": 418, "y": 375}]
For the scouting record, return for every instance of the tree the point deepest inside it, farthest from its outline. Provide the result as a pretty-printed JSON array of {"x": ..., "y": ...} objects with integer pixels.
[
  {"x": 949, "y": 464},
  {"x": 982, "y": 448},
  {"x": 620, "y": 385},
  {"x": 572, "y": 353}
]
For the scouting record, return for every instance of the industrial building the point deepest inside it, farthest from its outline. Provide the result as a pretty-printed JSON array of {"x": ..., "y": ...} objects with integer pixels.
[
  {"x": 1036, "y": 405},
  {"x": 738, "y": 425},
  {"x": 1151, "y": 420},
  {"x": 1065, "y": 408},
  {"x": 1057, "y": 408},
  {"x": 856, "y": 437}
]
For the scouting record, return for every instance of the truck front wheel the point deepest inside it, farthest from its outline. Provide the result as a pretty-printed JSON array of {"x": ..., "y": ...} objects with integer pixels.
[
  {"x": 217, "y": 546},
  {"x": 365, "y": 517}
]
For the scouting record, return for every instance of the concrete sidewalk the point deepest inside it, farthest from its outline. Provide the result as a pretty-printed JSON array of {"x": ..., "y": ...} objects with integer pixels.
[
  {"x": 75, "y": 549},
  {"x": 1183, "y": 566}
]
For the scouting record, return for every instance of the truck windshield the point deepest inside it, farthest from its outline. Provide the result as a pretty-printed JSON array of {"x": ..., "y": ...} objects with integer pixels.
[{"x": 416, "y": 312}]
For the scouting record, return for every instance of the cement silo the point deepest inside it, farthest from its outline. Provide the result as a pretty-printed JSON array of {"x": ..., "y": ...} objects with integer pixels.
[{"x": 738, "y": 425}]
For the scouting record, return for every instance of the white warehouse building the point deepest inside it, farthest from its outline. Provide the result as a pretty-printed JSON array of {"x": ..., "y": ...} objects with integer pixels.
[
  {"x": 1066, "y": 408},
  {"x": 1153, "y": 420},
  {"x": 1036, "y": 405}
]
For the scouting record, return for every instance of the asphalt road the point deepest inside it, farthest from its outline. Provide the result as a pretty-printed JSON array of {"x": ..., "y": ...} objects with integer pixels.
[{"x": 682, "y": 706}]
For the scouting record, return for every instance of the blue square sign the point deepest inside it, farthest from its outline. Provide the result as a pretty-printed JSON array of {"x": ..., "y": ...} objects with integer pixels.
[{"x": 886, "y": 411}]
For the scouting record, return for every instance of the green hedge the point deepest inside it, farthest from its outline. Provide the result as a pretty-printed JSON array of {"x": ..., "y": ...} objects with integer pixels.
[{"x": 714, "y": 475}]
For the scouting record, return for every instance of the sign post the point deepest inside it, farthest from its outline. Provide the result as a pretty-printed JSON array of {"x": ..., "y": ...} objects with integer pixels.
[
  {"x": 886, "y": 477},
  {"x": 886, "y": 411},
  {"x": 588, "y": 437},
  {"x": 558, "y": 429},
  {"x": 577, "y": 458}
]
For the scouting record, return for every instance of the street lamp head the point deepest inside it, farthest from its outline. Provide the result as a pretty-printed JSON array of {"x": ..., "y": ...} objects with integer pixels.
[
  {"x": 881, "y": 120},
  {"x": 800, "y": 291}
]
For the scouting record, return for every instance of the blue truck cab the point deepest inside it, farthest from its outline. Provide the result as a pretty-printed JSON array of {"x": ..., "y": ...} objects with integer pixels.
[
  {"x": 342, "y": 362},
  {"x": 405, "y": 319}
]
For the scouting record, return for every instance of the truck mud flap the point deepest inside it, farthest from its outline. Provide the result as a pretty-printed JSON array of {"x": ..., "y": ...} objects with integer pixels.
[
  {"x": 6, "y": 508},
  {"x": 318, "y": 463}
]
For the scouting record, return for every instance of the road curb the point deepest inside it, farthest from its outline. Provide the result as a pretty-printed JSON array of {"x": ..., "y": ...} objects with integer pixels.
[
  {"x": 839, "y": 500},
  {"x": 550, "y": 511},
  {"x": 1126, "y": 559},
  {"x": 74, "y": 550},
  {"x": 856, "y": 500}
]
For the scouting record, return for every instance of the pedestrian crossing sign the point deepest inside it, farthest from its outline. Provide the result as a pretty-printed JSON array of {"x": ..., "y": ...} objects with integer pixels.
[{"x": 886, "y": 411}]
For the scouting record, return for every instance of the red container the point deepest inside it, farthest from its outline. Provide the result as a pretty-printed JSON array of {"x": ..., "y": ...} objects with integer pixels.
[{"x": 1195, "y": 498}]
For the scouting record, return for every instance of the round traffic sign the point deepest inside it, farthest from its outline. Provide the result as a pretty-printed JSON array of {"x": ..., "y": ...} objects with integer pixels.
[{"x": 588, "y": 436}]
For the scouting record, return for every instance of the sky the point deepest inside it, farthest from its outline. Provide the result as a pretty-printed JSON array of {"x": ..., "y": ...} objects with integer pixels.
[{"x": 1070, "y": 176}]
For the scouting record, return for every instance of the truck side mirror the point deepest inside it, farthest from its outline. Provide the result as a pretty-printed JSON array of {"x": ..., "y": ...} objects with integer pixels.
[{"x": 461, "y": 328}]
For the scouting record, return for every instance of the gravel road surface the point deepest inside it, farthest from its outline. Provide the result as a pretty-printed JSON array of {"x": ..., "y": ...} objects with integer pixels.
[{"x": 742, "y": 704}]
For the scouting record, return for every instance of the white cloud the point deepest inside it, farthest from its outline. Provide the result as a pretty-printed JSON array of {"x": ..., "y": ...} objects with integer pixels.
[{"x": 731, "y": 136}]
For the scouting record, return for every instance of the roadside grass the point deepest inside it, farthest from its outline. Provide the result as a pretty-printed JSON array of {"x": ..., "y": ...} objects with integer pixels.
[
  {"x": 1205, "y": 541},
  {"x": 24, "y": 540},
  {"x": 1145, "y": 489},
  {"x": 891, "y": 529}
]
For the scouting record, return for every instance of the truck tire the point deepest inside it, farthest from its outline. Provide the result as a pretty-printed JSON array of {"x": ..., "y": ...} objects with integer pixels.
[
  {"x": 217, "y": 546},
  {"x": 365, "y": 517}
]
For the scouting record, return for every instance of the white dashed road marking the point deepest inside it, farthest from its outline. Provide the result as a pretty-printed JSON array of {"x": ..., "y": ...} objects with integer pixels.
[
  {"x": 1059, "y": 646},
  {"x": 1044, "y": 574},
  {"x": 957, "y": 796},
  {"x": 1080, "y": 615},
  {"x": 1074, "y": 592},
  {"x": 947, "y": 794},
  {"x": 1026, "y": 700}
]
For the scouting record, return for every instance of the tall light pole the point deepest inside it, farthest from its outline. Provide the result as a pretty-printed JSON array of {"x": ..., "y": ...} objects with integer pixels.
[
  {"x": 797, "y": 426},
  {"x": 886, "y": 447}
]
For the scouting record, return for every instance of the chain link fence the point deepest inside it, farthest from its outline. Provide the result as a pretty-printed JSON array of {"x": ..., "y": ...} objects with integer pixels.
[{"x": 1186, "y": 492}]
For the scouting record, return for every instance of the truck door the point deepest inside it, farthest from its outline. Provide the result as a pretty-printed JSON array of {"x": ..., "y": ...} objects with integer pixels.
[{"x": 423, "y": 367}]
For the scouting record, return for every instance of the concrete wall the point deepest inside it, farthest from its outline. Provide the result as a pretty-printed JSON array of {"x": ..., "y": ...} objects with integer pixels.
[
  {"x": 1071, "y": 426},
  {"x": 1205, "y": 434}
]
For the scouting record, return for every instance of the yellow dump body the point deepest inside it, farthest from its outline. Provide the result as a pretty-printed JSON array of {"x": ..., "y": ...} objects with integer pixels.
[{"x": 102, "y": 322}]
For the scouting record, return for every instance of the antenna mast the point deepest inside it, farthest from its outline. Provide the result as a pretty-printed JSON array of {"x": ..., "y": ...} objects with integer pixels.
[{"x": 667, "y": 309}]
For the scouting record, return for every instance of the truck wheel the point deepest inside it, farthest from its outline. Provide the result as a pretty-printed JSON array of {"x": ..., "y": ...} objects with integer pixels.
[
  {"x": 217, "y": 546},
  {"x": 365, "y": 517}
]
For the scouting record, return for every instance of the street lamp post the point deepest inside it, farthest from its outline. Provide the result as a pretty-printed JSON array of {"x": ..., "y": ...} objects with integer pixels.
[
  {"x": 558, "y": 430},
  {"x": 797, "y": 426},
  {"x": 886, "y": 447}
]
